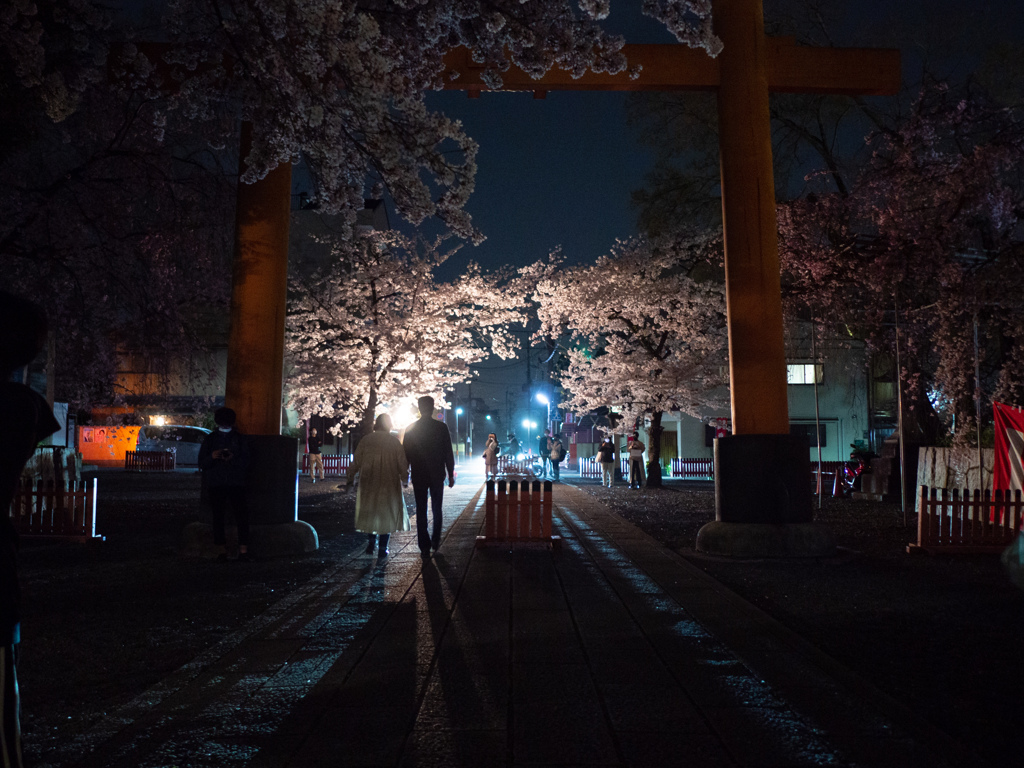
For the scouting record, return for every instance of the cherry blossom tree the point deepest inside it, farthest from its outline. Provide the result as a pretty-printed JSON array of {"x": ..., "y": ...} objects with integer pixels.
[
  {"x": 930, "y": 229},
  {"x": 342, "y": 82},
  {"x": 120, "y": 229},
  {"x": 121, "y": 124},
  {"x": 372, "y": 327},
  {"x": 644, "y": 336}
]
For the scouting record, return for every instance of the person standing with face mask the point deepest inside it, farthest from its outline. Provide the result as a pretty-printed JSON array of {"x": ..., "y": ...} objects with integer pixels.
[{"x": 224, "y": 460}]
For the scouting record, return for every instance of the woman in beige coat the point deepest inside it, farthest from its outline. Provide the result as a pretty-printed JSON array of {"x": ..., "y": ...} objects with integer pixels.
[{"x": 382, "y": 468}]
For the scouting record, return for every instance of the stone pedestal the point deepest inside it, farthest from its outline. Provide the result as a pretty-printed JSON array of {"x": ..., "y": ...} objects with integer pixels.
[
  {"x": 273, "y": 499},
  {"x": 763, "y": 500}
]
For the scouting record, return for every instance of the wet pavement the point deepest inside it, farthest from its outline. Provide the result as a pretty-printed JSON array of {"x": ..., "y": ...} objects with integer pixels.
[{"x": 612, "y": 651}]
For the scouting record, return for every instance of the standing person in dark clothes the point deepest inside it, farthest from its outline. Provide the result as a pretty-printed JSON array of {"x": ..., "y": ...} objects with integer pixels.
[
  {"x": 224, "y": 459},
  {"x": 544, "y": 452},
  {"x": 316, "y": 461},
  {"x": 428, "y": 446},
  {"x": 606, "y": 458},
  {"x": 26, "y": 419}
]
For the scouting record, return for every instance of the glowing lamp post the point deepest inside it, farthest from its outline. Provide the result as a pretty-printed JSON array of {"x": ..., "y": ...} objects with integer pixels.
[
  {"x": 529, "y": 425},
  {"x": 542, "y": 398},
  {"x": 457, "y": 412}
]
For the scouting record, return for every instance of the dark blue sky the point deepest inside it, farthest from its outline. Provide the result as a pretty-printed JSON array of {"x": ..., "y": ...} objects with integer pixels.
[
  {"x": 559, "y": 171},
  {"x": 553, "y": 171}
]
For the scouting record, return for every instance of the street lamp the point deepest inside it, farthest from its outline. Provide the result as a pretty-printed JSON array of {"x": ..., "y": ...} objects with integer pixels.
[
  {"x": 542, "y": 398},
  {"x": 457, "y": 412},
  {"x": 529, "y": 425}
]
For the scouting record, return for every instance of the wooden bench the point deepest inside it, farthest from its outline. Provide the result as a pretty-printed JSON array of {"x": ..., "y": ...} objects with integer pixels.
[
  {"x": 46, "y": 510},
  {"x": 518, "y": 511},
  {"x": 955, "y": 522},
  {"x": 149, "y": 461}
]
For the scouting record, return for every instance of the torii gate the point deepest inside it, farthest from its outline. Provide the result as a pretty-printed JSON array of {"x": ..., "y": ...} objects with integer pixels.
[{"x": 760, "y": 475}]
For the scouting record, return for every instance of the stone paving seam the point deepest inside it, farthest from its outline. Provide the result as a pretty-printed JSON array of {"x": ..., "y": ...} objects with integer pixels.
[
  {"x": 339, "y": 676},
  {"x": 803, "y": 747},
  {"x": 114, "y": 730},
  {"x": 943, "y": 749}
]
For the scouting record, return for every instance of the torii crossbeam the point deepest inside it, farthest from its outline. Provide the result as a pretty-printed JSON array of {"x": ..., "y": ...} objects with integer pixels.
[
  {"x": 760, "y": 476},
  {"x": 760, "y": 472}
]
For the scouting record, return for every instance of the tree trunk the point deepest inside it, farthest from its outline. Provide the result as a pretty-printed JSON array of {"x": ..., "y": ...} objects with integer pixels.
[{"x": 654, "y": 451}]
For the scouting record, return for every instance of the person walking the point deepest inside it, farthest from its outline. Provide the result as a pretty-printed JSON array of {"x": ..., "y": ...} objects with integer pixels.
[
  {"x": 27, "y": 419},
  {"x": 637, "y": 476},
  {"x": 513, "y": 445},
  {"x": 428, "y": 446},
  {"x": 606, "y": 458},
  {"x": 544, "y": 453},
  {"x": 491, "y": 451},
  {"x": 383, "y": 469},
  {"x": 224, "y": 460},
  {"x": 555, "y": 455},
  {"x": 316, "y": 461}
]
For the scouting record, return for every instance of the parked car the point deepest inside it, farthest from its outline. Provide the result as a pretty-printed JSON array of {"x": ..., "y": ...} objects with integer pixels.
[{"x": 183, "y": 440}]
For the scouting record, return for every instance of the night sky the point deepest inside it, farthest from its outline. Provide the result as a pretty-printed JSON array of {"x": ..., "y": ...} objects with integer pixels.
[{"x": 559, "y": 171}]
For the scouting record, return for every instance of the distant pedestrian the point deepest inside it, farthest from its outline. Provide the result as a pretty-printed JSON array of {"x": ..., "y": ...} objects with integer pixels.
[
  {"x": 555, "y": 455},
  {"x": 544, "y": 452},
  {"x": 27, "y": 419},
  {"x": 491, "y": 451},
  {"x": 224, "y": 460},
  {"x": 428, "y": 446},
  {"x": 316, "y": 461},
  {"x": 513, "y": 445},
  {"x": 606, "y": 458},
  {"x": 383, "y": 469},
  {"x": 637, "y": 475}
]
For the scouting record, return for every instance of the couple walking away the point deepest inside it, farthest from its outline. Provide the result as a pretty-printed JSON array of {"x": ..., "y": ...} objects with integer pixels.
[{"x": 383, "y": 463}]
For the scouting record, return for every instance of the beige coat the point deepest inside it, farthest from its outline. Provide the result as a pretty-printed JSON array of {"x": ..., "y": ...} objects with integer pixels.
[{"x": 381, "y": 465}]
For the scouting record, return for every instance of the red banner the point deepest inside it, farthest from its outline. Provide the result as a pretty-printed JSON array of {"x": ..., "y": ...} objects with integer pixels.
[{"x": 1008, "y": 473}]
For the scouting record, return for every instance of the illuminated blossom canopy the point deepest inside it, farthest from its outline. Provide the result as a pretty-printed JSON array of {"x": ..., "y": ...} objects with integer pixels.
[
  {"x": 341, "y": 83},
  {"x": 118, "y": 141},
  {"x": 644, "y": 336},
  {"x": 931, "y": 227},
  {"x": 373, "y": 327}
]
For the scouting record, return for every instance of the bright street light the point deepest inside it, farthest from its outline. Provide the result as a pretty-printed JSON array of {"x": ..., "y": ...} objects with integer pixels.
[
  {"x": 457, "y": 412},
  {"x": 542, "y": 398},
  {"x": 529, "y": 425}
]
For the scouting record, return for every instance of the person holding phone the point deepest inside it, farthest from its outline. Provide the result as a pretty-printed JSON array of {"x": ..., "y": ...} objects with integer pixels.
[{"x": 224, "y": 460}]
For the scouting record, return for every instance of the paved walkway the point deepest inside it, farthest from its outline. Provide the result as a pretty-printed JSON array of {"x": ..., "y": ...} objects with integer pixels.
[{"x": 613, "y": 651}]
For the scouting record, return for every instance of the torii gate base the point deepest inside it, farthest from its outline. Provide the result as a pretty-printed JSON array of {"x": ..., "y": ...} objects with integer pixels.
[{"x": 763, "y": 500}]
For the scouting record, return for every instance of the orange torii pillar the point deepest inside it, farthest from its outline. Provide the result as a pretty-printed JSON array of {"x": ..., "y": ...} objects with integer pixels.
[
  {"x": 762, "y": 483},
  {"x": 255, "y": 368}
]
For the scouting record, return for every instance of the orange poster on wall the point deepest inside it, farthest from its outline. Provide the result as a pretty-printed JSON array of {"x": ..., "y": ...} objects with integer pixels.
[{"x": 106, "y": 446}]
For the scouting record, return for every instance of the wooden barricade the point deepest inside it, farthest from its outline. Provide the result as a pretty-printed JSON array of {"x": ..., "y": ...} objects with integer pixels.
[
  {"x": 334, "y": 464},
  {"x": 509, "y": 466},
  {"x": 952, "y": 522},
  {"x": 518, "y": 511},
  {"x": 694, "y": 469},
  {"x": 149, "y": 461},
  {"x": 830, "y": 479},
  {"x": 48, "y": 510}
]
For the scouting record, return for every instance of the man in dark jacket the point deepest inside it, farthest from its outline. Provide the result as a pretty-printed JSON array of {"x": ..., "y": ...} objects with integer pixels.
[
  {"x": 428, "y": 446},
  {"x": 26, "y": 418},
  {"x": 224, "y": 459}
]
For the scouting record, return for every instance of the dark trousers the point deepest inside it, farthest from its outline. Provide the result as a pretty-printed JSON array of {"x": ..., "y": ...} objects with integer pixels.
[
  {"x": 554, "y": 468},
  {"x": 221, "y": 497},
  {"x": 419, "y": 492},
  {"x": 635, "y": 467}
]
